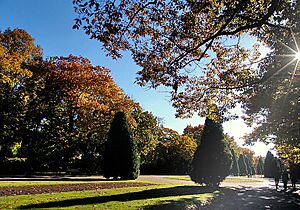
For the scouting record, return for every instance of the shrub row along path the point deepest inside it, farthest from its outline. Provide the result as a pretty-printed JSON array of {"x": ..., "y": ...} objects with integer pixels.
[{"x": 233, "y": 195}]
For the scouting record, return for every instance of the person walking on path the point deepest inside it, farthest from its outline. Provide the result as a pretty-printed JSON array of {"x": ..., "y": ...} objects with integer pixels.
[
  {"x": 285, "y": 179},
  {"x": 276, "y": 178},
  {"x": 293, "y": 176}
]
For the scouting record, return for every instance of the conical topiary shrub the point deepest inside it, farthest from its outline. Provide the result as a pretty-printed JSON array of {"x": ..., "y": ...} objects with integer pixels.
[
  {"x": 235, "y": 170},
  {"x": 243, "y": 165},
  {"x": 120, "y": 159},
  {"x": 260, "y": 166},
  {"x": 212, "y": 159},
  {"x": 269, "y": 165}
]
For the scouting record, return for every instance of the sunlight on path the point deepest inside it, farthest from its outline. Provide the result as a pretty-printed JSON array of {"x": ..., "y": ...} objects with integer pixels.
[
  {"x": 244, "y": 195},
  {"x": 248, "y": 198}
]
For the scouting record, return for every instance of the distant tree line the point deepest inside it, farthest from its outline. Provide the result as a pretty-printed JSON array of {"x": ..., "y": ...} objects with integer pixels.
[
  {"x": 56, "y": 114},
  {"x": 245, "y": 164},
  {"x": 62, "y": 113}
]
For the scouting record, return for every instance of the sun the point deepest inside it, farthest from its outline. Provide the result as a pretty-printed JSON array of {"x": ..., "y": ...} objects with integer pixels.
[
  {"x": 295, "y": 59},
  {"x": 297, "y": 56}
]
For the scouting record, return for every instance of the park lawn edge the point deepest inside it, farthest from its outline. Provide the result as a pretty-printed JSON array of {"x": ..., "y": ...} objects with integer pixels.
[
  {"x": 227, "y": 179},
  {"x": 5, "y": 184}
]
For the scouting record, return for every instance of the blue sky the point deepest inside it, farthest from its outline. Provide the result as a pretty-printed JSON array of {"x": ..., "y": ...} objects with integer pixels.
[{"x": 50, "y": 24}]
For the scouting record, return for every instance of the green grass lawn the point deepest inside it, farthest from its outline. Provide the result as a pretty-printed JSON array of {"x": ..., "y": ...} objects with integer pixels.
[
  {"x": 160, "y": 196},
  {"x": 238, "y": 179},
  {"x": 243, "y": 179}
]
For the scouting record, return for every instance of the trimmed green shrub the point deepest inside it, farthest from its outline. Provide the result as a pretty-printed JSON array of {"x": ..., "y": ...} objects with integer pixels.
[
  {"x": 212, "y": 159},
  {"x": 120, "y": 159},
  {"x": 260, "y": 166},
  {"x": 243, "y": 165},
  {"x": 249, "y": 164},
  {"x": 235, "y": 169},
  {"x": 269, "y": 165}
]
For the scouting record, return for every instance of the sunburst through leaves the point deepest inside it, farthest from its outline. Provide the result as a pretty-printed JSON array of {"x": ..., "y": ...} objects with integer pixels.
[
  {"x": 294, "y": 56},
  {"x": 297, "y": 56}
]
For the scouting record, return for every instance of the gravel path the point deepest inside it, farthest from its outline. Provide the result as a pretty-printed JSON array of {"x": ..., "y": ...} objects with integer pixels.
[{"x": 254, "y": 198}]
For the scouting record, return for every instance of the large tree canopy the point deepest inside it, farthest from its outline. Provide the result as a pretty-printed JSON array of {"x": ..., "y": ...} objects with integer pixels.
[
  {"x": 17, "y": 51},
  {"x": 146, "y": 134},
  {"x": 193, "y": 47},
  {"x": 57, "y": 111},
  {"x": 72, "y": 105},
  {"x": 274, "y": 103},
  {"x": 194, "y": 132}
]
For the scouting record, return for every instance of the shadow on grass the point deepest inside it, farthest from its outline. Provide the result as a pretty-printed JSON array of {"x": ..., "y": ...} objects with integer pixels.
[
  {"x": 242, "y": 198},
  {"x": 146, "y": 194},
  {"x": 228, "y": 198},
  {"x": 183, "y": 203}
]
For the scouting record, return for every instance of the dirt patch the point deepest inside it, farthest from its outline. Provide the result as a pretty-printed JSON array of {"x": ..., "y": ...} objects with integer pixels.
[{"x": 41, "y": 189}]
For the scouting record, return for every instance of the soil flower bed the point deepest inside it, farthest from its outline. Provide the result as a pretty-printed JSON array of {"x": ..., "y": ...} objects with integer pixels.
[{"x": 42, "y": 189}]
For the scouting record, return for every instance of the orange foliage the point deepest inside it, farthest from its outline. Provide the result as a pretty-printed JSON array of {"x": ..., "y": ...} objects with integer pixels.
[{"x": 89, "y": 88}]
